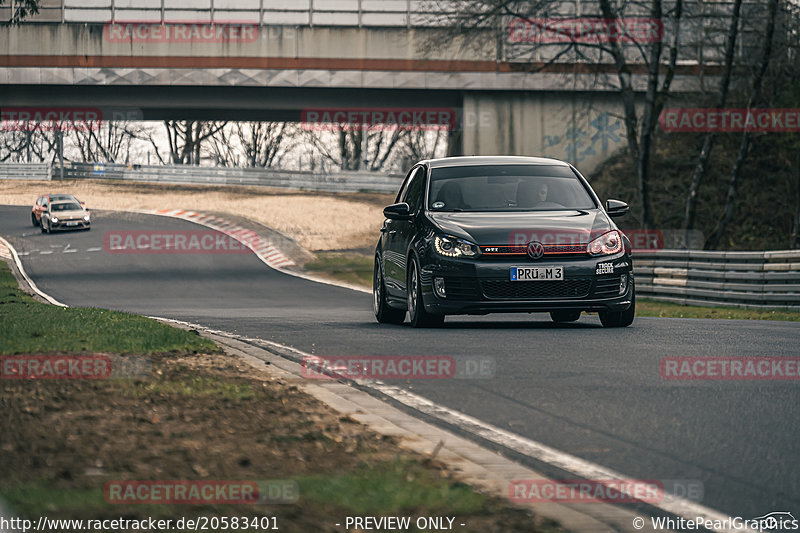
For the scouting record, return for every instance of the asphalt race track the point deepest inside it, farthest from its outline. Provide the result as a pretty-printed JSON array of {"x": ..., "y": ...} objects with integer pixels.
[{"x": 588, "y": 391}]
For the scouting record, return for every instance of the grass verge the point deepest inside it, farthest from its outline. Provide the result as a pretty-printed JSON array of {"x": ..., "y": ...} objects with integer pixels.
[
  {"x": 357, "y": 269},
  {"x": 341, "y": 266},
  {"x": 29, "y": 326},
  {"x": 645, "y": 307},
  {"x": 211, "y": 417}
]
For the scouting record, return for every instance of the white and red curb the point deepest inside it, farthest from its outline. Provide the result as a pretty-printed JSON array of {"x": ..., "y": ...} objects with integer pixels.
[{"x": 264, "y": 249}]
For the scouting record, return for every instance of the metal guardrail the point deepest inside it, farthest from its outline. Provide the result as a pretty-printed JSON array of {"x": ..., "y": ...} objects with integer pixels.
[
  {"x": 25, "y": 171},
  {"x": 339, "y": 182},
  {"x": 740, "y": 279}
]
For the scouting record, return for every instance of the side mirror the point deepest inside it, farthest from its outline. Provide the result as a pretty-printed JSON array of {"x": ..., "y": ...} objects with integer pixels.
[
  {"x": 399, "y": 211},
  {"x": 615, "y": 208}
]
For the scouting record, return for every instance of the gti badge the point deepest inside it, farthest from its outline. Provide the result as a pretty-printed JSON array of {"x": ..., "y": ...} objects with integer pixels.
[{"x": 535, "y": 250}]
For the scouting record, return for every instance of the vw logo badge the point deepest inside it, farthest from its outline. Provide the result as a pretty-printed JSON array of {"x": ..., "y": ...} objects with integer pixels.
[{"x": 535, "y": 250}]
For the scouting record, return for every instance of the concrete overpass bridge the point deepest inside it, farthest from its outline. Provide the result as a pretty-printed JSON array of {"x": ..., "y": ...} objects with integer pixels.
[{"x": 261, "y": 60}]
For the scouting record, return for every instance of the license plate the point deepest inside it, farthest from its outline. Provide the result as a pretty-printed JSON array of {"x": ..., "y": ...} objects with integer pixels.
[
  {"x": 72, "y": 223},
  {"x": 526, "y": 273}
]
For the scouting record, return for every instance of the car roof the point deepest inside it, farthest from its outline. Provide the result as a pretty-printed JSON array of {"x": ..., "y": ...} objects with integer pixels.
[{"x": 491, "y": 160}]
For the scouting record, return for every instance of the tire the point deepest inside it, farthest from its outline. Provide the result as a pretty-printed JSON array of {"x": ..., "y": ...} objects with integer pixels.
[
  {"x": 41, "y": 226},
  {"x": 565, "y": 316},
  {"x": 620, "y": 319},
  {"x": 34, "y": 221},
  {"x": 417, "y": 315},
  {"x": 383, "y": 313}
]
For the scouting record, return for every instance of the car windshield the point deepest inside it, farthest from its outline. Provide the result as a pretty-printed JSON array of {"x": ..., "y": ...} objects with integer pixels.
[
  {"x": 71, "y": 206},
  {"x": 507, "y": 188},
  {"x": 56, "y": 197}
]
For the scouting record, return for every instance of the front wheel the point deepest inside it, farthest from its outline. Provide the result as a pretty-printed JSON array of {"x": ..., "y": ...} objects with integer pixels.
[
  {"x": 33, "y": 220},
  {"x": 418, "y": 316},
  {"x": 619, "y": 319},
  {"x": 42, "y": 227},
  {"x": 383, "y": 313}
]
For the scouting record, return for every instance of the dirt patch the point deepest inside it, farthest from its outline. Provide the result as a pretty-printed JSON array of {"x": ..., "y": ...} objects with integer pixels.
[
  {"x": 316, "y": 220},
  {"x": 211, "y": 417}
]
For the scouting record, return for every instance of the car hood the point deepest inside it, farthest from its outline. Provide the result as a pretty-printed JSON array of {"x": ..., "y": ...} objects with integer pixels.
[
  {"x": 68, "y": 214},
  {"x": 548, "y": 227}
]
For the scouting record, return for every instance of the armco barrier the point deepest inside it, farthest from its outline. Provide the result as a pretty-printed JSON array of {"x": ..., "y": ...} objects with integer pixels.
[
  {"x": 25, "y": 171},
  {"x": 339, "y": 182},
  {"x": 741, "y": 279}
]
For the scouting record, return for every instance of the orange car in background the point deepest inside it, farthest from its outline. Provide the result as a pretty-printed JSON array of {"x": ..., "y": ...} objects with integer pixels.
[{"x": 43, "y": 201}]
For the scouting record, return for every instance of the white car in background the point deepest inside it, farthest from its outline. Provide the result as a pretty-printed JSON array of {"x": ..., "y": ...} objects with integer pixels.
[{"x": 65, "y": 215}]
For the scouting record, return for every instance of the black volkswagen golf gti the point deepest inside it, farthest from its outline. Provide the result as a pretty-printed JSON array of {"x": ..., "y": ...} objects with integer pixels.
[{"x": 476, "y": 235}]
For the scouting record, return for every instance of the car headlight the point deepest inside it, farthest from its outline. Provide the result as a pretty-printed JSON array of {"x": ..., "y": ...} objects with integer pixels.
[
  {"x": 55, "y": 220},
  {"x": 606, "y": 244},
  {"x": 86, "y": 217},
  {"x": 453, "y": 247}
]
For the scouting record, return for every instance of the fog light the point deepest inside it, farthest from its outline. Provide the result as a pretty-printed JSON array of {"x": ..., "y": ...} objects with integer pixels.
[
  {"x": 623, "y": 283},
  {"x": 438, "y": 287}
]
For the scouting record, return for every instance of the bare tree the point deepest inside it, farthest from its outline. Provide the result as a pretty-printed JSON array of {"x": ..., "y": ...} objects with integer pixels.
[
  {"x": 222, "y": 149},
  {"x": 744, "y": 146},
  {"x": 110, "y": 142},
  {"x": 265, "y": 144},
  {"x": 722, "y": 97},
  {"x": 488, "y": 15},
  {"x": 344, "y": 147},
  {"x": 33, "y": 145},
  {"x": 186, "y": 138}
]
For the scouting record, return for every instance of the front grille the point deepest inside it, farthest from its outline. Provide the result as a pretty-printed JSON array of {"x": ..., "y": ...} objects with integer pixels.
[
  {"x": 461, "y": 288},
  {"x": 533, "y": 290},
  {"x": 606, "y": 286},
  {"x": 549, "y": 249}
]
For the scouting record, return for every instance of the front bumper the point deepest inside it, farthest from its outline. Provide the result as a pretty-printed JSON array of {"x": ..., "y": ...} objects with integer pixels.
[
  {"x": 70, "y": 224},
  {"x": 483, "y": 286}
]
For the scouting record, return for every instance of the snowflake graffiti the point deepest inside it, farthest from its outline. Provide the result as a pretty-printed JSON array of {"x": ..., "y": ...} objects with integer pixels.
[{"x": 581, "y": 143}]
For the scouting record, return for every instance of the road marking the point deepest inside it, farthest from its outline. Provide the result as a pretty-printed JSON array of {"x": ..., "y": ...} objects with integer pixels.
[
  {"x": 30, "y": 282},
  {"x": 94, "y": 249},
  {"x": 46, "y": 252}
]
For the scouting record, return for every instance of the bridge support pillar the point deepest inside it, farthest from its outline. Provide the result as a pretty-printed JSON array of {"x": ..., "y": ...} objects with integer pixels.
[{"x": 581, "y": 128}]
